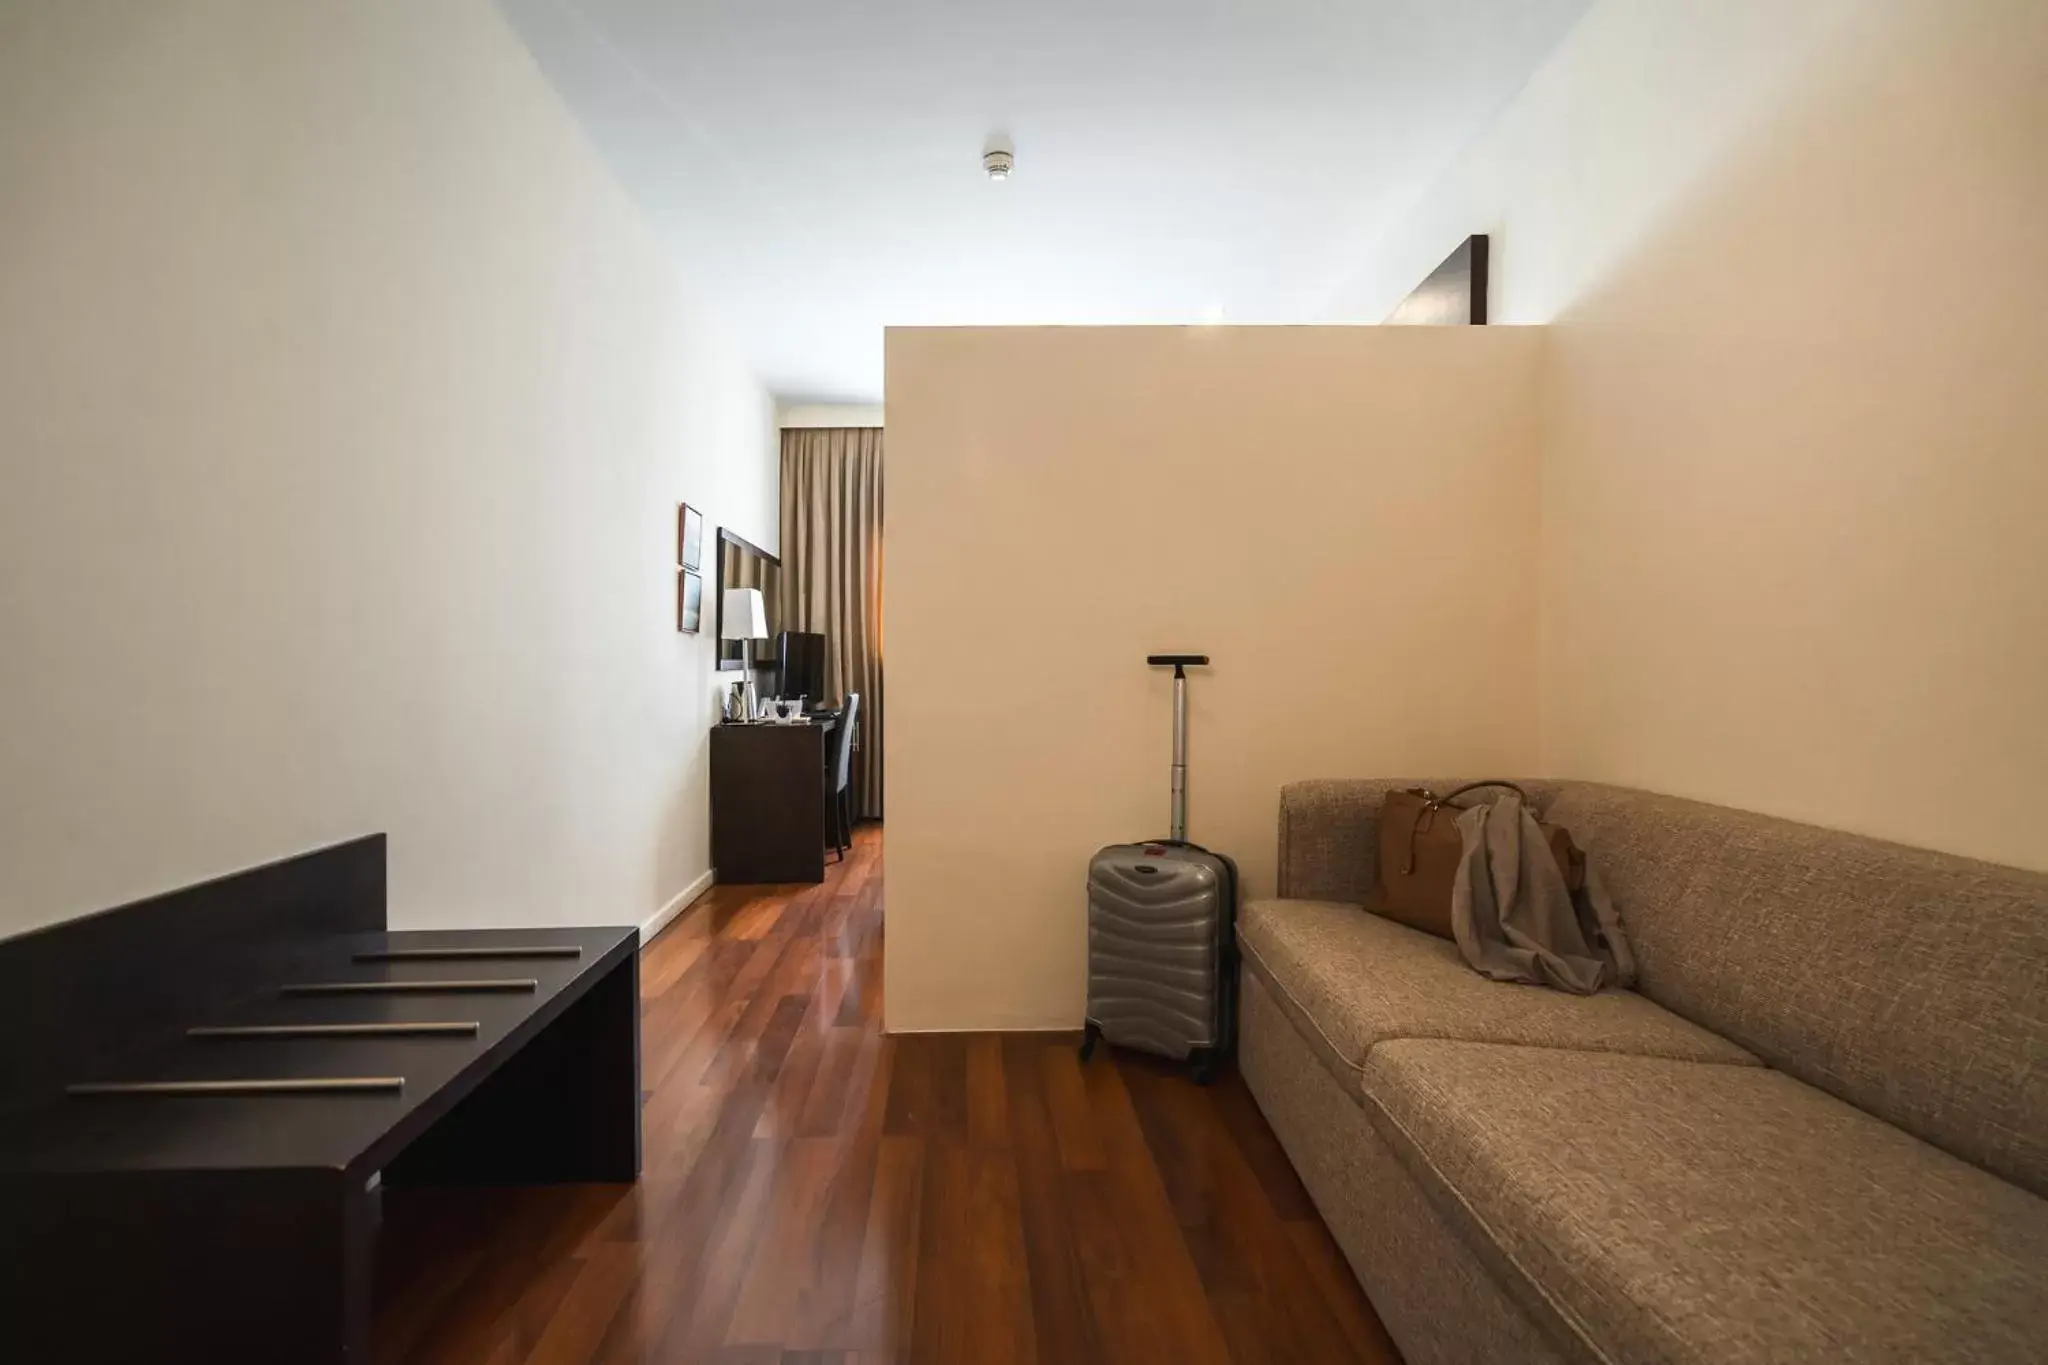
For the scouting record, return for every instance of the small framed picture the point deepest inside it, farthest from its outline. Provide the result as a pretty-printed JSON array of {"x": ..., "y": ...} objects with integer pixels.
[
  {"x": 689, "y": 536},
  {"x": 689, "y": 601}
]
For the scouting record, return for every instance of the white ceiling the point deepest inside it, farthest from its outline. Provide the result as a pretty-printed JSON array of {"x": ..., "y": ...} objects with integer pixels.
[{"x": 815, "y": 164}]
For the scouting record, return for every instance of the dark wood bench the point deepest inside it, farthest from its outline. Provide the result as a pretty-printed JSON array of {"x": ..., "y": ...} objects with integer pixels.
[{"x": 231, "y": 1227}]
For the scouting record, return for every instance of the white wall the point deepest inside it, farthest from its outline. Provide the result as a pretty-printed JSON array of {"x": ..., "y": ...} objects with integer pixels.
[
  {"x": 1609, "y": 135},
  {"x": 344, "y": 407},
  {"x": 1794, "y": 477},
  {"x": 1343, "y": 518}
]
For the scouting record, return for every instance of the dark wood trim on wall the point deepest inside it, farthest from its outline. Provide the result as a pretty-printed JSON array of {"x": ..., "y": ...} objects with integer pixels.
[
  {"x": 1455, "y": 293},
  {"x": 1482, "y": 254}
]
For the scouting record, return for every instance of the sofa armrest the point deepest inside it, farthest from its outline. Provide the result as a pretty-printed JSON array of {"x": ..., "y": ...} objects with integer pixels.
[{"x": 1329, "y": 832}]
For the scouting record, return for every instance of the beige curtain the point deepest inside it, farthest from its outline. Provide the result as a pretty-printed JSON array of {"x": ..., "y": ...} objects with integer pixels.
[{"x": 832, "y": 574}]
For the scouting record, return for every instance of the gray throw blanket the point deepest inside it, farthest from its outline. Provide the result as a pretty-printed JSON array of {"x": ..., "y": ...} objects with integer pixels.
[{"x": 1513, "y": 916}]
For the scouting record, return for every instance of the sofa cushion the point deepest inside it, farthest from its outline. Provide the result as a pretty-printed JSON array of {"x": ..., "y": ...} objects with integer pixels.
[
  {"x": 1912, "y": 984},
  {"x": 1659, "y": 1210},
  {"x": 1349, "y": 980}
]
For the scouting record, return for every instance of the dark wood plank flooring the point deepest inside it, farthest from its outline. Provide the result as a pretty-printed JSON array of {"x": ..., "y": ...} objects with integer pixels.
[{"x": 819, "y": 1194}]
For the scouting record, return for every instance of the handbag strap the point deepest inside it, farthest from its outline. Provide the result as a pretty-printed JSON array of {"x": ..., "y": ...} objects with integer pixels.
[
  {"x": 1445, "y": 800},
  {"x": 1434, "y": 803}
]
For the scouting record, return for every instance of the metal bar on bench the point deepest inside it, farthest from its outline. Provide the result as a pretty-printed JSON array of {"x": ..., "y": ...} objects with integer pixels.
[
  {"x": 304, "y": 1085},
  {"x": 465, "y": 1028},
  {"x": 453, "y": 954},
  {"x": 517, "y": 983}
]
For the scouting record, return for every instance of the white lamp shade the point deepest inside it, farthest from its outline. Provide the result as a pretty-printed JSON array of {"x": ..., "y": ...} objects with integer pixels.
[{"x": 745, "y": 616}]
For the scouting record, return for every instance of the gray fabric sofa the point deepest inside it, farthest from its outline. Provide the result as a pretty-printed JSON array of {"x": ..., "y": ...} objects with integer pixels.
[{"x": 1818, "y": 1129}]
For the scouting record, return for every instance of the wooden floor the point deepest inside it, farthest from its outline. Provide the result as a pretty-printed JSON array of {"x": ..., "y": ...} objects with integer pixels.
[{"x": 816, "y": 1192}]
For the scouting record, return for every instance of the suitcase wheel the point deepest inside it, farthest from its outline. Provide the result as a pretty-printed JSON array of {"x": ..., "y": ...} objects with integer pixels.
[
  {"x": 1089, "y": 1036},
  {"x": 1202, "y": 1065}
]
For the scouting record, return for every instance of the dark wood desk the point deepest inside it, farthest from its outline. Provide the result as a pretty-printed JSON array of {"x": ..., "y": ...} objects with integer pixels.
[
  {"x": 242, "y": 1228},
  {"x": 768, "y": 801}
]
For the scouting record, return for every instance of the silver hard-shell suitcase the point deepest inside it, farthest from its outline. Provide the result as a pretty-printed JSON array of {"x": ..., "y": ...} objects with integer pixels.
[{"x": 1162, "y": 932}]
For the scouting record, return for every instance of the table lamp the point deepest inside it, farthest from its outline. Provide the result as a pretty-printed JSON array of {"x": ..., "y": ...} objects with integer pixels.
[{"x": 744, "y": 617}]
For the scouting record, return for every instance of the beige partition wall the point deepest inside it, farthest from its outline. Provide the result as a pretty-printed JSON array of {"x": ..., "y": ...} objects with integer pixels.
[{"x": 1344, "y": 518}]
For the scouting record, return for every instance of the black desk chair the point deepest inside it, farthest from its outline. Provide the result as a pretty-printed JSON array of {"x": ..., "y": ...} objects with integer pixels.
[{"x": 840, "y": 790}]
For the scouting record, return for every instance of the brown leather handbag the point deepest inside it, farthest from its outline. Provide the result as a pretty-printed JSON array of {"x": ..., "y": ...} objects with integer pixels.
[{"x": 1419, "y": 847}]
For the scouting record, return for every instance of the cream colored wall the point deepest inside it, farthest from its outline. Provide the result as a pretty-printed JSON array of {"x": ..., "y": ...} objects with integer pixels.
[
  {"x": 344, "y": 407},
  {"x": 1343, "y": 518},
  {"x": 1798, "y": 458},
  {"x": 1790, "y": 419},
  {"x": 828, "y": 415},
  {"x": 1794, "y": 464}
]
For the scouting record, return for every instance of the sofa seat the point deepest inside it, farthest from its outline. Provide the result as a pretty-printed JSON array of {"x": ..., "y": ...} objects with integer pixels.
[
  {"x": 1648, "y": 1209},
  {"x": 1349, "y": 981}
]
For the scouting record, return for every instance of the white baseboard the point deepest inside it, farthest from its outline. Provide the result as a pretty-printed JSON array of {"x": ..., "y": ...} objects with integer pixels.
[{"x": 680, "y": 902}]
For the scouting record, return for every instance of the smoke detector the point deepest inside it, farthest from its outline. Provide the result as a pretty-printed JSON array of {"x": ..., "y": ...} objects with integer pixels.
[{"x": 998, "y": 160}]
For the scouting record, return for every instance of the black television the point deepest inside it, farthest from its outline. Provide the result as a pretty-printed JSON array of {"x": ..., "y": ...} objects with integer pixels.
[{"x": 802, "y": 653}]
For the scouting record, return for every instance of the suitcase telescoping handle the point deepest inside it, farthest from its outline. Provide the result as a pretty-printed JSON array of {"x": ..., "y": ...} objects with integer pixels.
[{"x": 1180, "y": 664}]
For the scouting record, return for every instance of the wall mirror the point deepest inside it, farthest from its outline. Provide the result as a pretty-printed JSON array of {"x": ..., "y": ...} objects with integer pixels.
[{"x": 742, "y": 564}]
